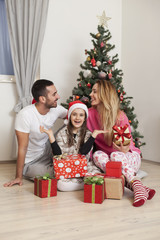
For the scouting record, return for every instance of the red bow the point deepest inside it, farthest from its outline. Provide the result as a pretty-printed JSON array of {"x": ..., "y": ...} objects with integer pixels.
[{"x": 120, "y": 132}]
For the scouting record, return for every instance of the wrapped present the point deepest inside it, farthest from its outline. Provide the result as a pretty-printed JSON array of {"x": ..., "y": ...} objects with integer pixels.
[
  {"x": 45, "y": 186},
  {"x": 94, "y": 191},
  {"x": 121, "y": 134},
  {"x": 114, "y": 187},
  {"x": 114, "y": 169},
  {"x": 70, "y": 166}
]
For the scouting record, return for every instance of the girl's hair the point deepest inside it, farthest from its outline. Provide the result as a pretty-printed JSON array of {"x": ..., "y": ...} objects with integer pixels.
[
  {"x": 82, "y": 132},
  {"x": 108, "y": 107}
]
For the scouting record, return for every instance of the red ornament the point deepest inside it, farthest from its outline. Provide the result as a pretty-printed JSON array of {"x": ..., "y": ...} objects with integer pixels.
[
  {"x": 93, "y": 62},
  {"x": 102, "y": 44},
  {"x": 88, "y": 85},
  {"x": 86, "y": 51},
  {"x": 77, "y": 97},
  {"x": 80, "y": 85},
  {"x": 119, "y": 91},
  {"x": 109, "y": 75},
  {"x": 121, "y": 97},
  {"x": 109, "y": 62}
]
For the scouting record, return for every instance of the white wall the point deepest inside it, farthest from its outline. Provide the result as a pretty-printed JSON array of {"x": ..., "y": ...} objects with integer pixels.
[
  {"x": 141, "y": 65},
  {"x": 67, "y": 36},
  {"x": 8, "y": 98}
]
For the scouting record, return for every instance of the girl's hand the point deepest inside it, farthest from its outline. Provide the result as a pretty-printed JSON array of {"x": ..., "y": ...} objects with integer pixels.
[
  {"x": 96, "y": 132},
  {"x": 42, "y": 130},
  {"x": 49, "y": 132},
  {"x": 121, "y": 148}
]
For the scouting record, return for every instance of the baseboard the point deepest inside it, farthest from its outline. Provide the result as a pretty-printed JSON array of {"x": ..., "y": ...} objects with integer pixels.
[
  {"x": 149, "y": 161},
  {"x": 8, "y": 161}
]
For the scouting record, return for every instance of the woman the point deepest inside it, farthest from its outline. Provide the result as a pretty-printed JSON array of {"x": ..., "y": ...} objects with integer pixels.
[{"x": 104, "y": 114}]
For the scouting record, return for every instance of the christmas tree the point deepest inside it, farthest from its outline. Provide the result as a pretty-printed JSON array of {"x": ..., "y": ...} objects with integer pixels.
[{"x": 100, "y": 65}]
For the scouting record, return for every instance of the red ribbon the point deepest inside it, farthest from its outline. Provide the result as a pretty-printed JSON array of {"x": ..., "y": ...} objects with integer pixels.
[{"x": 120, "y": 132}]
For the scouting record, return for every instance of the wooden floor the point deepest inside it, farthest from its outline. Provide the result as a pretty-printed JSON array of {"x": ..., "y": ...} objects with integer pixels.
[{"x": 25, "y": 216}]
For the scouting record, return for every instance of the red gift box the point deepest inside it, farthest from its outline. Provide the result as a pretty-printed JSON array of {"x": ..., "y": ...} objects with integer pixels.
[
  {"x": 45, "y": 188},
  {"x": 113, "y": 169},
  {"x": 70, "y": 166},
  {"x": 94, "y": 193}
]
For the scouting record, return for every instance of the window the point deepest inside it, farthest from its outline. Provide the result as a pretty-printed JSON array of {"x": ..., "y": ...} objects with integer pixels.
[{"x": 6, "y": 65}]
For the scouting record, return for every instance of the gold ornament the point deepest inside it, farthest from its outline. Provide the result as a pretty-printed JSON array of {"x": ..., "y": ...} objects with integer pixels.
[
  {"x": 98, "y": 35},
  {"x": 103, "y": 19},
  {"x": 88, "y": 59}
]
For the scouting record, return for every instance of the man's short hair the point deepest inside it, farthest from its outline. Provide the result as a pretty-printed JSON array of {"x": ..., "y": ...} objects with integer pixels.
[{"x": 39, "y": 88}]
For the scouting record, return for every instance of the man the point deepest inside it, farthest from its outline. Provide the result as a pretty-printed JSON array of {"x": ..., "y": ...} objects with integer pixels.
[{"x": 34, "y": 151}]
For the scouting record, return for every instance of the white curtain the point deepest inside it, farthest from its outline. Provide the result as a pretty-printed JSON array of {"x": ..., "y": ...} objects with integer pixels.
[{"x": 26, "y": 22}]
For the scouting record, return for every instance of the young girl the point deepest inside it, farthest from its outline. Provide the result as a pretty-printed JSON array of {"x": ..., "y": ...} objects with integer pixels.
[
  {"x": 104, "y": 114},
  {"x": 73, "y": 139}
]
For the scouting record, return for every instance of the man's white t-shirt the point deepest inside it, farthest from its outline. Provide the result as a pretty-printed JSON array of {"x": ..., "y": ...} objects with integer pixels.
[{"x": 29, "y": 121}]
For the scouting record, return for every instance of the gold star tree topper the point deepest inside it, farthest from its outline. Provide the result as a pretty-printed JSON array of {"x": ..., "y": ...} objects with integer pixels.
[{"x": 103, "y": 19}]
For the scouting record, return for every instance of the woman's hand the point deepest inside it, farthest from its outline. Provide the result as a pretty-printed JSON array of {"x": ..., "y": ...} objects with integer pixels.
[
  {"x": 121, "y": 148},
  {"x": 49, "y": 132},
  {"x": 96, "y": 132}
]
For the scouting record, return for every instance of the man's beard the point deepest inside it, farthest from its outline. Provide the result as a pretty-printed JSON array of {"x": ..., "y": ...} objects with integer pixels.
[{"x": 53, "y": 105}]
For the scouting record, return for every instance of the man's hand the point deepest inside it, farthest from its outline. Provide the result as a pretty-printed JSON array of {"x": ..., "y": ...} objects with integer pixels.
[
  {"x": 13, "y": 182},
  {"x": 121, "y": 148}
]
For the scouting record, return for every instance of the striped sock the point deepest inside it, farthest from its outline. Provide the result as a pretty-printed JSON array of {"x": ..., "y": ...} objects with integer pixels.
[
  {"x": 140, "y": 193},
  {"x": 151, "y": 192}
]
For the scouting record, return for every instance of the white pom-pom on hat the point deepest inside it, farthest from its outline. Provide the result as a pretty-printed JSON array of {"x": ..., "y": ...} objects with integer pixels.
[{"x": 66, "y": 121}]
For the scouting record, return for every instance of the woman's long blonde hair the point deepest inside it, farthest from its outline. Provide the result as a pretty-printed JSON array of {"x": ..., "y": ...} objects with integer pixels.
[{"x": 108, "y": 107}]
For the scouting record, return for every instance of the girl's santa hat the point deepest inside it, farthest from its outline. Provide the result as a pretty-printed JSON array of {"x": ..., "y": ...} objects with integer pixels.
[{"x": 72, "y": 106}]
